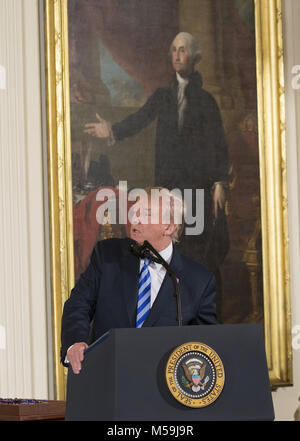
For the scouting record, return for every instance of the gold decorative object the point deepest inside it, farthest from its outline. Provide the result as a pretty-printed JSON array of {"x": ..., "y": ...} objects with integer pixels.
[{"x": 106, "y": 231}]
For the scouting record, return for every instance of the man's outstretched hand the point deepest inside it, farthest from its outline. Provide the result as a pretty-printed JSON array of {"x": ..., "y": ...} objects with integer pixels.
[{"x": 99, "y": 129}]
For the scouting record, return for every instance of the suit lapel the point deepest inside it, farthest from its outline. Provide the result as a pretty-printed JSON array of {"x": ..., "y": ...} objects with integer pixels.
[
  {"x": 166, "y": 293},
  {"x": 130, "y": 267}
]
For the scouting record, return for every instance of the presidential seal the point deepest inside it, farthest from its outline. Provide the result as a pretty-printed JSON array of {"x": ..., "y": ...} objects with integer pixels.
[{"x": 195, "y": 374}]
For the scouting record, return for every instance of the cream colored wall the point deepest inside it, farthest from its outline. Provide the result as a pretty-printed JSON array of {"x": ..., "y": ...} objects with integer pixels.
[
  {"x": 23, "y": 349},
  {"x": 24, "y": 357},
  {"x": 286, "y": 399}
]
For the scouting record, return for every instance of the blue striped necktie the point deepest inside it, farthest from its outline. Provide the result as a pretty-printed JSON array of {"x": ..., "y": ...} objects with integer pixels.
[{"x": 144, "y": 296}]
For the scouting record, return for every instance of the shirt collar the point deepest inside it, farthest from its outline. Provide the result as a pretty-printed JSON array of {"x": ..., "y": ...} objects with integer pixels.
[
  {"x": 182, "y": 81},
  {"x": 166, "y": 254}
]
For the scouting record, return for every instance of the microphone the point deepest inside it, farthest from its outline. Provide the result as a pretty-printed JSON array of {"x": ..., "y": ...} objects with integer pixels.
[
  {"x": 137, "y": 249},
  {"x": 148, "y": 251},
  {"x": 143, "y": 252}
]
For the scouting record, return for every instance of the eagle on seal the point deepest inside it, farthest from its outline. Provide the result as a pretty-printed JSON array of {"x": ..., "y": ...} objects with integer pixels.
[{"x": 194, "y": 370}]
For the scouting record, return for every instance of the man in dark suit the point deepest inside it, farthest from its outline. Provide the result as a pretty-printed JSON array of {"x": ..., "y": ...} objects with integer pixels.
[{"x": 108, "y": 292}]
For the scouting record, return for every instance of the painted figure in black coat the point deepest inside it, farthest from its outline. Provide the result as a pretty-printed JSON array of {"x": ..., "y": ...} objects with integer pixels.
[{"x": 191, "y": 149}]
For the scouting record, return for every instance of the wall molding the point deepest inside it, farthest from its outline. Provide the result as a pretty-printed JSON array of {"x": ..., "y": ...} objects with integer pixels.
[{"x": 23, "y": 364}]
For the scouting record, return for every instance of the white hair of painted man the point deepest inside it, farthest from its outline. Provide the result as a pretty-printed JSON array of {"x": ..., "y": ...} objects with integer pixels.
[{"x": 193, "y": 47}]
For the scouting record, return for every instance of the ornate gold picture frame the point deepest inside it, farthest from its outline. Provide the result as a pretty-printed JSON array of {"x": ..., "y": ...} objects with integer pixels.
[{"x": 273, "y": 187}]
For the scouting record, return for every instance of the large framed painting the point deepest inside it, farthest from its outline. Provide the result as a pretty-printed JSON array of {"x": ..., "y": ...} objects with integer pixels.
[{"x": 124, "y": 109}]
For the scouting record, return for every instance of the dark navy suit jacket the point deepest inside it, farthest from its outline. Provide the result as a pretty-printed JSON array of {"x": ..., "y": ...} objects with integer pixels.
[{"x": 106, "y": 293}]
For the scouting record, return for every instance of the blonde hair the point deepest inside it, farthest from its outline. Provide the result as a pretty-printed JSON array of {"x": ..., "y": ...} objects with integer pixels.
[{"x": 176, "y": 207}]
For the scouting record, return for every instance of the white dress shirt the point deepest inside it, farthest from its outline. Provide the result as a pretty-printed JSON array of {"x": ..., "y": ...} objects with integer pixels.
[
  {"x": 158, "y": 272},
  {"x": 182, "y": 83}
]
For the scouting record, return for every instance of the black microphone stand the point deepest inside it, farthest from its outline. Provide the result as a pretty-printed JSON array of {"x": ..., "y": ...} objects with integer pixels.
[{"x": 147, "y": 251}]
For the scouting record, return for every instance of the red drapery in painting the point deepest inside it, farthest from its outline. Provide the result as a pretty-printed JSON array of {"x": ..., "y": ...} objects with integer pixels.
[
  {"x": 138, "y": 34},
  {"x": 88, "y": 229}
]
